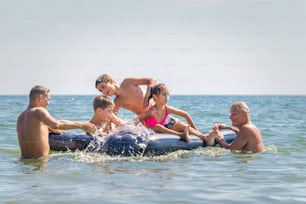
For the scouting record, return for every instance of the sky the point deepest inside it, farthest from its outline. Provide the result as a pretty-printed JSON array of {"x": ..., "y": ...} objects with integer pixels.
[{"x": 207, "y": 47}]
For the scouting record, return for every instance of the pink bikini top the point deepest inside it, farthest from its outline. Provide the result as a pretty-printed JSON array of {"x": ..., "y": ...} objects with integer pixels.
[{"x": 152, "y": 122}]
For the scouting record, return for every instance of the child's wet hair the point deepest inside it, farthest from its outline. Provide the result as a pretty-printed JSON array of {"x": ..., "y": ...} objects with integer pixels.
[
  {"x": 102, "y": 101},
  {"x": 104, "y": 78},
  {"x": 157, "y": 89}
]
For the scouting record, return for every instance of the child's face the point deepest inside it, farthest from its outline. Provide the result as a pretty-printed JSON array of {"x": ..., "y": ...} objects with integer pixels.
[
  {"x": 162, "y": 98},
  {"x": 106, "y": 88},
  {"x": 105, "y": 113}
]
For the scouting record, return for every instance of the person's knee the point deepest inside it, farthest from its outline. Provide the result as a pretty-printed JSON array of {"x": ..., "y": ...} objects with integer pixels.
[{"x": 180, "y": 126}]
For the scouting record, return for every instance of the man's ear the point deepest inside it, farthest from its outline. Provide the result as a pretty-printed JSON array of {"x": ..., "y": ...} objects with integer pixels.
[
  {"x": 98, "y": 110},
  {"x": 40, "y": 97}
]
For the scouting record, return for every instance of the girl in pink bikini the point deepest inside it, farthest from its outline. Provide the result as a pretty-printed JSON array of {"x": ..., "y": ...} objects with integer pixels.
[{"x": 158, "y": 118}]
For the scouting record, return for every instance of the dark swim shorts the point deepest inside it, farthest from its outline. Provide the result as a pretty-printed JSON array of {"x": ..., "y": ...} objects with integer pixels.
[{"x": 170, "y": 121}]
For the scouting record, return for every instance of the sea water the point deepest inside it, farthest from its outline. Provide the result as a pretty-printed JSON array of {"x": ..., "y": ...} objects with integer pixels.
[{"x": 204, "y": 175}]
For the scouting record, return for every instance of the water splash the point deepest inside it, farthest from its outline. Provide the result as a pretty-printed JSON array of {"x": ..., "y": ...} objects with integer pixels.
[
  {"x": 100, "y": 144},
  {"x": 271, "y": 149},
  {"x": 134, "y": 128},
  {"x": 95, "y": 145}
]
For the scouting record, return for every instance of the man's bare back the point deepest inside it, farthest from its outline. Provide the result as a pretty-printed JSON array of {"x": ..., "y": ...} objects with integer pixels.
[{"x": 32, "y": 134}]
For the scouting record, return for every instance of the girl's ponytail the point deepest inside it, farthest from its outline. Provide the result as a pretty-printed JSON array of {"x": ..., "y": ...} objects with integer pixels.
[{"x": 151, "y": 94}]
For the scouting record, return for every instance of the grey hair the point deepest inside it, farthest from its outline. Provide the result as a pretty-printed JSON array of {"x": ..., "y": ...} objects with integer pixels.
[{"x": 242, "y": 106}]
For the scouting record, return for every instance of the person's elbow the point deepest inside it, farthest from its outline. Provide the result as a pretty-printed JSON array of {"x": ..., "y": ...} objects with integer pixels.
[
  {"x": 153, "y": 82},
  {"x": 58, "y": 124},
  {"x": 55, "y": 125}
]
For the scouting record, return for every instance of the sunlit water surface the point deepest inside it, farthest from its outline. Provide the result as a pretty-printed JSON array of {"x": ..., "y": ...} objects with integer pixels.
[{"x": 204, "y": 175}]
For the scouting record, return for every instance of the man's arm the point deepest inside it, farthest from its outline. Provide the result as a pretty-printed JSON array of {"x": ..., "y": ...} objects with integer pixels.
[
  {"x": 224, "y": 126},
  {"x": 51, "y": 122},
  {"x": 239, "y": 142}
]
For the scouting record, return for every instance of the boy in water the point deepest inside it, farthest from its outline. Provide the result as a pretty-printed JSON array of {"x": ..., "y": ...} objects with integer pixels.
[
  {"x": 104, "y": 118},
  {"x": 129, "y": 94}
]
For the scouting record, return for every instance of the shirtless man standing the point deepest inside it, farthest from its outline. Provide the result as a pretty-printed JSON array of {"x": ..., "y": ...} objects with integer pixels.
[
  {"x": 34, "y": 123},
  {"x": 129, "y": 94},
  {"x": 248, "y": 138}
]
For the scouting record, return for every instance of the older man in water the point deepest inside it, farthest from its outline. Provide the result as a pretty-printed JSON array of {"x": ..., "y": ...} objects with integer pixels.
[
  {"x": 34, "y": 123},
  {"x": 248, "y": 138}
]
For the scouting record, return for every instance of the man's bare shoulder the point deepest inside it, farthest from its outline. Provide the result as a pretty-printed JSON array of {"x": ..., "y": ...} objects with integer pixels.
[
  {"x": 249, "y": 126},
  {"x": 249, "y": 129},
  {"x": 21, "y": 117},
  {"x": 129, "y": 89},
  {"x": 36, "y": 112},
  {"x": 133, "y": 81},
  {"x": 127, "y": 86},
  {"x": 127, "y": 82}
]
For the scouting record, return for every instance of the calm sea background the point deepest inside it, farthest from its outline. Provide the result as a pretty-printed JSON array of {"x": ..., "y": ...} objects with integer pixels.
[{"x": 205, "y": 175}]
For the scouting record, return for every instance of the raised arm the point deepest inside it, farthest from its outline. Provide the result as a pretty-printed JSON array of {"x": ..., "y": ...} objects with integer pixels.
[{"x": 149, "y": 82}]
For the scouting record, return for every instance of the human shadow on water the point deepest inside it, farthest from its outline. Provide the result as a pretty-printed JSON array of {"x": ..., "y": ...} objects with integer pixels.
[{"x": 30, "y": 165}]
